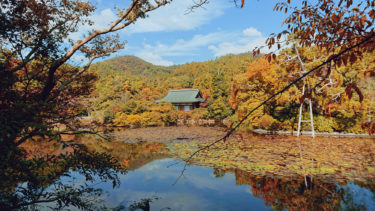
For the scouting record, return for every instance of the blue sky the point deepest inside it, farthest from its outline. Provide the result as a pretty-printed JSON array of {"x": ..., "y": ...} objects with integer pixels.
[{"x": 169, "y": 36}]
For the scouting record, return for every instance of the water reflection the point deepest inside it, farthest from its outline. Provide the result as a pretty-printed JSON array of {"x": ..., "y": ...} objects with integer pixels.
[
  {"x": 198, "y": 190},
  {"x": 131, "y": 155},
  {"x": 148, "y": 184},
  {"x": 205, "y": 188},
  {"x": 36, "y": 182}
]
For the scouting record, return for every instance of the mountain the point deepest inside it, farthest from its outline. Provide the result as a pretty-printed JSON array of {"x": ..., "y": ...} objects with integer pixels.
[{"x": 131, "y": 65}]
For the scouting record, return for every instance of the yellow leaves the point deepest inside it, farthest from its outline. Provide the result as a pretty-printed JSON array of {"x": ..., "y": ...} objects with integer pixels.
[{"x": 259, "y": 68}]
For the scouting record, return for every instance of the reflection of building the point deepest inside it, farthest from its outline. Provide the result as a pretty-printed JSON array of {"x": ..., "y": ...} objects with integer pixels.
[{"x": 184, "y": 99}]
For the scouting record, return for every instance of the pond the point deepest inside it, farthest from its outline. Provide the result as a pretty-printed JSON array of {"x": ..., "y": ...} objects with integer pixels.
[
  {"x": 198, "y": 189},
  {"x": 243, "y": 173},
  {"x": 204, "y": 188}
]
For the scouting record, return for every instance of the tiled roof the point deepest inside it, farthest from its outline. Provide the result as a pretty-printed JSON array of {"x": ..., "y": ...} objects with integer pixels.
[{"x": 182, "y": 96}]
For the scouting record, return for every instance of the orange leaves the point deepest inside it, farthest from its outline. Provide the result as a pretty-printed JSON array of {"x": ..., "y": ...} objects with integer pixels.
[{"x": 242, "y": 3}]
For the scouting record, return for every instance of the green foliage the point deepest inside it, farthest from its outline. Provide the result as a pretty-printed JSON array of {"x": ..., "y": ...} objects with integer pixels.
[{"x": 219, "y": 108}]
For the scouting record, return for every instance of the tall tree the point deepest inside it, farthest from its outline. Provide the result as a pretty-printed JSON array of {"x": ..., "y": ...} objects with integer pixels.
[
  {"x": 35, "y": 48},
  {"x": 39, "y": 90}
]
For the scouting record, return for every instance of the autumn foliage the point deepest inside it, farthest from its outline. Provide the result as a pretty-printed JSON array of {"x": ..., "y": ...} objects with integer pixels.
[{"x": 342, "y": 95}]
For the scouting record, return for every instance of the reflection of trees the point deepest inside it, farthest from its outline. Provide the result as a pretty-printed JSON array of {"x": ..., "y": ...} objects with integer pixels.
[
  {"x": 27, "y": 180},
  {"x": 32, "y": 176},
  {"x": 218, "y": 172},
  {"x": 292, "y": 194},
  {"x": 132, "y": 155}
]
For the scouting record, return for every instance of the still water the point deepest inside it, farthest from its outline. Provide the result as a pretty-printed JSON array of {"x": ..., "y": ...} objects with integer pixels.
[
  {"x": 266, "y": 173},
  {"x": 198, "y": 189},
  {"x": 205, "y": 188}
]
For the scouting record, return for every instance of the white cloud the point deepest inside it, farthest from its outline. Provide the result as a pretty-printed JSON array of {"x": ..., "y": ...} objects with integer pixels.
[
  {"x": 236, "y": 47},
  {"x": 154, "y": 53},
  {"x": 153, "y": 58},
  {"x": 252, "y": 32},
  {"x": 173, "y": 17},
  {"x": 247, "y": 41},
  {"x": 100, "y": 21},
  {"x": 220, "y": 43}
]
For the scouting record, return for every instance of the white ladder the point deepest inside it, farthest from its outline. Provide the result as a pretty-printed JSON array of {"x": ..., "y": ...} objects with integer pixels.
[{"x": 300, "y": 120}]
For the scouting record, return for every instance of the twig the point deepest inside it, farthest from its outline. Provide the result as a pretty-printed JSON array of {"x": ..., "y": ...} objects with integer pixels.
[{"x": 196, "y": 5}]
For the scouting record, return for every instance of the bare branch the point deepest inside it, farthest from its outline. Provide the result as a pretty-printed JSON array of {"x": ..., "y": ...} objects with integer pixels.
[{"x": 196, "y": 5}]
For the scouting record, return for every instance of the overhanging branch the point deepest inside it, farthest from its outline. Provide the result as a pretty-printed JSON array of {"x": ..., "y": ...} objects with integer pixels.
[{"x": 230, "y": 132}]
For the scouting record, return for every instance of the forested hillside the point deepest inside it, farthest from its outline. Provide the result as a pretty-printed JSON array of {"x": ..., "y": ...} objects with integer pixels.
[
  {"x": 342, "y": 97},
  {"x": 127, "y": 88}
]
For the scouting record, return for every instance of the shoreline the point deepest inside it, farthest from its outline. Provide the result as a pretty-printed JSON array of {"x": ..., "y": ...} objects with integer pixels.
[
  {"x": 185, "y": 133},
  {"x": 317, "y": 134}
]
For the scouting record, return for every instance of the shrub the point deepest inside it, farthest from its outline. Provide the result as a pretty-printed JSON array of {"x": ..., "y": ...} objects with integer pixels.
[
  {"x": 266, "y": 121},
  {"x": 323, "y": 124},
  {"x": 121, "y": 119},
  {"x": 199, "y": 113},
  {"x": 134, "y": 120},
  {"x": 108, "y": 116},
  {"x": 151, "y": 119}
]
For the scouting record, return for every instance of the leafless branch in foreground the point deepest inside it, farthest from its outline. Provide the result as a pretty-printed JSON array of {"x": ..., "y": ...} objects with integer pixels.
[{"x": 196, "y": 5}]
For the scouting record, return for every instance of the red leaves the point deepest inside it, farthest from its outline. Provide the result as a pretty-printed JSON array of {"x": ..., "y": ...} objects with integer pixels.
[
  {"x": 371, "y": 13},
  {"x": 301, "y": 99},
  {"x": 355, "y": 87},
  {"x": 307, "y": 95},
  {"x": 349, "y": 91},
  {"x": 270, "y": 57},
  {"x": 236, "y": 92},
  {"x": 340, "y": 24},
  {"x": 369, "y": 126},
  {"x": 353, "y": 58}
]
